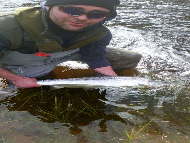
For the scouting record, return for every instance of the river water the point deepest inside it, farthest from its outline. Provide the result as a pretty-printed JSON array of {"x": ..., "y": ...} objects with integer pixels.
[{"x": 160, "y": 31}]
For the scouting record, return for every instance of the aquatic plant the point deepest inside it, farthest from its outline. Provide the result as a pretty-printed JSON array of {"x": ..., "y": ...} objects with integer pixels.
[
  {"x": 4, "y": 140},
  {"x": 129, "y": 136}
]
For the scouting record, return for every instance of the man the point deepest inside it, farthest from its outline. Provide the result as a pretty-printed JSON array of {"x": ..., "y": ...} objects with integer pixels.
[{"x": 34, "y": 40}]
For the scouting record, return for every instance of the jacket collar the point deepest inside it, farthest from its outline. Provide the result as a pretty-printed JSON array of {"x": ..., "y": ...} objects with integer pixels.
[{"x": 48, "y": 32}]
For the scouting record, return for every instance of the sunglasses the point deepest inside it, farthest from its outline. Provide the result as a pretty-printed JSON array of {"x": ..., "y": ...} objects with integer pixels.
[{"x": 78, "y": 12}]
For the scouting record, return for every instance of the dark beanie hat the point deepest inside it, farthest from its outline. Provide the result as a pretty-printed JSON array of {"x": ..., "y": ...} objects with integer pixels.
[{"x": 109, "y": 4}]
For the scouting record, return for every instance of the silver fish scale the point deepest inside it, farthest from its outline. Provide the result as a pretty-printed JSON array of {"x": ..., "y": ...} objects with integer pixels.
[{"x": 95, "y": 82}]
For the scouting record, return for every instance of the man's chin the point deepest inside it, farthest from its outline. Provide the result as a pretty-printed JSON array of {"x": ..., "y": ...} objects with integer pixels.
[{"x": 73, "y": 28}]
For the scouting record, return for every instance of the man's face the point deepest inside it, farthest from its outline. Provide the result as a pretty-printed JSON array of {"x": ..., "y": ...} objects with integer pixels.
[{"x": 75, "y": 23}]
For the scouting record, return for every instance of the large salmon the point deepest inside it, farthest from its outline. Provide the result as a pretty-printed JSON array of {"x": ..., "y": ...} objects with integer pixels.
[{"x": 96, "y": 82}]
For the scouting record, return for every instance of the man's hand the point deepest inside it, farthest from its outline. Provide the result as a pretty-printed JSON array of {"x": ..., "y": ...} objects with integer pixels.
[
  {"x": 25, "y": 82},
  {"x": 19, "y": 81},
  {"x": 106, "y": 71}
]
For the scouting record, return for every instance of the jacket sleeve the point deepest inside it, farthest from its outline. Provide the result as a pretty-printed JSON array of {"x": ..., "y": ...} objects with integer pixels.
[
  {"x": 4, "y": 44},
  {"x": 94, "y": 54}
]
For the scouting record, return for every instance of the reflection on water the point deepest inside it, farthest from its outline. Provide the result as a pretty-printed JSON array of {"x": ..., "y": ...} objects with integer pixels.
[{"x": 159, "y": 30}]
